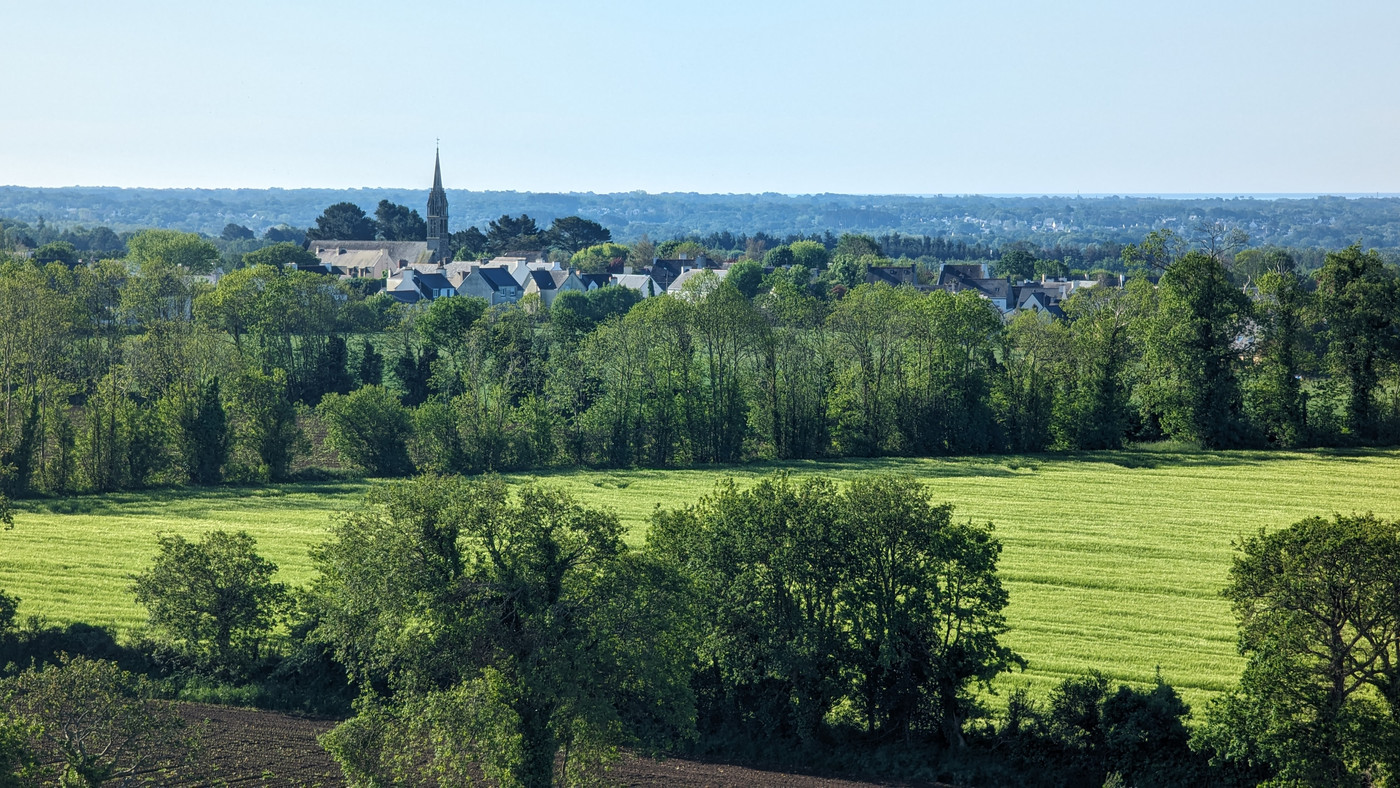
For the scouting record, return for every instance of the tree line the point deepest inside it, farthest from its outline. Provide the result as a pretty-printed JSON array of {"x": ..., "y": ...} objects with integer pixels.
[{"x": 125, "y": 374}]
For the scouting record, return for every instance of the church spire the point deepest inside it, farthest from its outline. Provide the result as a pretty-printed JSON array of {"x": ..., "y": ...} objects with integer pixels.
[{"x": 438, "y": 242}]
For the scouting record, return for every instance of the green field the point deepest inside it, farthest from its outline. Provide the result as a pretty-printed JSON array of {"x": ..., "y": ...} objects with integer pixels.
[{"x": 1114, "y": 560}]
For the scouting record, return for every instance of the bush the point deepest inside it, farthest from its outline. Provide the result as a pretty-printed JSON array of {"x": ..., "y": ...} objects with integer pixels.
[{"x": 369, "y": 428}]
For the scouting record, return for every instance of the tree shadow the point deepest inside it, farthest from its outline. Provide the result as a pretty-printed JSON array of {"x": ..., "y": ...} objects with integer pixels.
[{"x": 196, "y": 502}]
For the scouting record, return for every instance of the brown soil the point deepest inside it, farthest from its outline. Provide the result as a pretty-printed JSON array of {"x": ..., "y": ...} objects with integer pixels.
[{"x": 246, "y": 747}]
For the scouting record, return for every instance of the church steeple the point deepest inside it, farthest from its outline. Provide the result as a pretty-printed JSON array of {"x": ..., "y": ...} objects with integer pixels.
[{"x": 437, "y": 215}]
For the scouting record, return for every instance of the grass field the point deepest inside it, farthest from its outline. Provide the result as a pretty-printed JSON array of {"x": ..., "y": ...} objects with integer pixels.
[{"x": 1114, "y": 560}]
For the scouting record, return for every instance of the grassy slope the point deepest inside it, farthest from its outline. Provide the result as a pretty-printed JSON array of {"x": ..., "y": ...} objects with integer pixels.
[{"x": 1114, "y": 560}]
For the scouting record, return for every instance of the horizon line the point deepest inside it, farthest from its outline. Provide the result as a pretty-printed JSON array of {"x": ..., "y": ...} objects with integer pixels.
[{"x": 1274, "y": 195}]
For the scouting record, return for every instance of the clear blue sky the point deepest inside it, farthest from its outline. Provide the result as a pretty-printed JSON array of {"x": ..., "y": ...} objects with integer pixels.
[{"x": 712, "y": 96}]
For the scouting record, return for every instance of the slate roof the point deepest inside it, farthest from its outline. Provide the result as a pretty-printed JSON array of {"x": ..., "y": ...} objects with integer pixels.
[
  {"x": 972, "y": 277},
  {"x": 407, "y": 252},
  {"x": 435, "y": 281},
  {"x": 497, "y": 278},
  {"x": 893, "y": 275},
  {"x": 545, "y": 280}
]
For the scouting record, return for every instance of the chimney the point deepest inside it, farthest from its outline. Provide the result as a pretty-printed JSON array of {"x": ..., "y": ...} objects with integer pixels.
[
  {"x": 473, "y": 270},
  {"x": 626, "y": 269}
]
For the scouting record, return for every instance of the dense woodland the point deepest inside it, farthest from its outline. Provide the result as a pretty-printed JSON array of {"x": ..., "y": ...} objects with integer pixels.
[
  {"x": 463, "y": 626},
  {"x": 1071, "y": 222},
  {"x": 127, "y": 373}
]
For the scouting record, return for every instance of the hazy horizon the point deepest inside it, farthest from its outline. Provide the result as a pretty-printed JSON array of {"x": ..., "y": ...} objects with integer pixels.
[{"x": 885, "y": 98}]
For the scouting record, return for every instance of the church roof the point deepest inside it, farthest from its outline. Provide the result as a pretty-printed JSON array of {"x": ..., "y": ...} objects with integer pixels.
[{"x": 405, "y": 252}]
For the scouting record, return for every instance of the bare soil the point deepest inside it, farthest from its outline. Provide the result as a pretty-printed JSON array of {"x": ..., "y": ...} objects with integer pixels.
[{"x": 247, "y": 747}]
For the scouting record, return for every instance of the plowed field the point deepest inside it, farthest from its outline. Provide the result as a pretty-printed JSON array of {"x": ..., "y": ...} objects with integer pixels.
[{"x": 248, "y": 747}]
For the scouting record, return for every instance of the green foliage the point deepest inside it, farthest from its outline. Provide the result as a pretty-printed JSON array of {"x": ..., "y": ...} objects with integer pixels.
[
  {"x": 508, "y": 628},
  {"x": 202, "y": 435},
  {"x": 1016, "y": 265},
  {"x": 1192, "y": 348},
  {"x": 399, "y": 223},
  {"x": 370, "y": 428},
  {"x": 809, "y": 254},
  {"x": 849, "y": 270},
  {"x": 573, "y": 234},
  {"x": 747, "y": 277},
  {"x": 19, "y": 766},
  {"x": 8, "y": 606},
  {"x": 281, "y": 255},
  {"x": 872, "y": 598},
  {"x": 1095, "y": 412},
  {"x": 1274, "y": 396},
  {"x": 343, "y": 221},
  {"x": 369, "y": 370},
  {"x": 214, "y": 600},
  {"x": 854, "y": 245},
  {"x": 781, "y": 256},
  {"x": 513, "y": 234},
  {"x": 236, "y": 232},
  {"x": 470, "y": 244},
  {"x": 1358, "y": 298},
  {"x": 94, "y": 724},
  {"x": 1089, "y": 735},
  {"x": 57, "y": 252},
  {"x": 264, "y": 422},
  {"x": 1319, "y": 701},
  {"x": 448, "y": 321},
  {"x": 167, "y": 249},
  {"x": 598, "y": 258}
]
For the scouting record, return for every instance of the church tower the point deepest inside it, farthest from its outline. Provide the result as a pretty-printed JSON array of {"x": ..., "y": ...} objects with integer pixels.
[{"x": 437, "y": 216}]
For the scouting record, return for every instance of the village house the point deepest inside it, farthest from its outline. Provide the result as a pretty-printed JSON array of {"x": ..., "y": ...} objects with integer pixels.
[
  {"x": 642, "y": 283},
  {"x": 495, "y": 284},
  {"x": 549, "y": 284},
  {"x": 697, "y": 275}
]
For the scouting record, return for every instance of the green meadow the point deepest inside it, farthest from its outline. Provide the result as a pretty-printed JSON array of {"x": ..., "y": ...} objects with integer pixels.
[{"x": 1114, "y": 560}]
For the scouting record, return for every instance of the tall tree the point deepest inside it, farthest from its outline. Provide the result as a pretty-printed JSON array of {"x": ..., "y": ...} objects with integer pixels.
[
  {"x": 395, "y": 222},
  {"x": 344, "y": 221},
  {"x": 95, "y": 724},
  {"x": 1199, "y": 319},
  {"x": 236, "y": 232},
  {"x": 572, "y": 234},
  {"x": 1358, "y": 298},
  {"x": 925, "y": 609},
  {"x": 513, "y": 234},
  {"x": 771, "y": 564},
  {"x": 168, "y": 249},
  {"x": 1274, "y": 394}
]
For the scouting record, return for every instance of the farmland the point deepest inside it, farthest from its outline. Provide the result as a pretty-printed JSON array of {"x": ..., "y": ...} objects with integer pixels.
[{"x": 1114, "y": 560}]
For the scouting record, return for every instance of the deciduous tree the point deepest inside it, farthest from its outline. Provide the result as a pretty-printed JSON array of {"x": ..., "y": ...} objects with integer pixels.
[
  {"x": 95, "y": 724},
  {"x": 1318, "y": 605},
  {"x": 508, "y": 631},
  {"x": 215, "y": 599}
]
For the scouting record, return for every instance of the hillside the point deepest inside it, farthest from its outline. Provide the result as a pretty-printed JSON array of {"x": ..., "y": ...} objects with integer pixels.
[{"x": 1313, "y": 222}]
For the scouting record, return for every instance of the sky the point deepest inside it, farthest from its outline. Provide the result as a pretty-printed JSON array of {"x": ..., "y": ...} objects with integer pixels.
[{"x": 876, "y": 97}]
